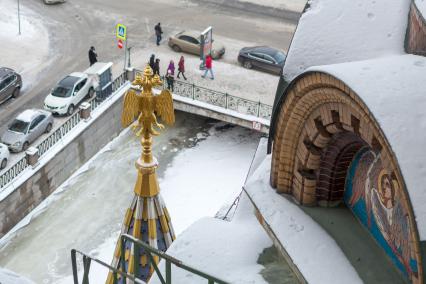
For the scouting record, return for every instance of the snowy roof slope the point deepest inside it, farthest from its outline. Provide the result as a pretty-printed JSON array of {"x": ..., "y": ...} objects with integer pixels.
[
  {"x": 421, "y": 5},
  {"x": 227, "y": 250},
  {"x": 335, "y": 31},
  {"x": 394, "y": 90}
]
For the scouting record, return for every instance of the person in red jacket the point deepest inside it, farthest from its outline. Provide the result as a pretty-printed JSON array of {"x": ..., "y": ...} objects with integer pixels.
[
  {"x": 209, "y": 67},
  {"x": 181, "y": 67}
]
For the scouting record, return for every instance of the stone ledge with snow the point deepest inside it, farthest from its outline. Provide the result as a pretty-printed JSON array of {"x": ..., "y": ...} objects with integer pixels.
[{"x": 226, "y": 250}]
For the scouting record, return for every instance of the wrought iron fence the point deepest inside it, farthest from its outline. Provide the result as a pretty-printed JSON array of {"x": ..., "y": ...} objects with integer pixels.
[
  {"x": 57, "y": 135},
  {"x": 220, "y": 99},
  {"x": 137, "y": 245}
]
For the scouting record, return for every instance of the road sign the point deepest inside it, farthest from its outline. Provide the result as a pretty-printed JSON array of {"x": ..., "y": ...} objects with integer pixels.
[
  {"x": 121, "y": 31},
  {"x": 120, "y": 44},
  {"x": 257, "y": 125}
]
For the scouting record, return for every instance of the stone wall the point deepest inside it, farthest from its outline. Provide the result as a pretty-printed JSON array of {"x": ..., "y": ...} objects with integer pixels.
[
  {"x": 50, "y": 176},
  {"x": 416, "y": 32}
]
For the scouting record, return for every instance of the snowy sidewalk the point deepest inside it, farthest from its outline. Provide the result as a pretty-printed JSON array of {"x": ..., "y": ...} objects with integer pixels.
[
  {"x": 313, "y": 251},
  {"x": 289, "y": 10}
]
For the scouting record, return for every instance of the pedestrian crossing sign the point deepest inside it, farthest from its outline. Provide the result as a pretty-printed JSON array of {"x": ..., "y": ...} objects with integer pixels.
[{"x": 121, "y": 31}]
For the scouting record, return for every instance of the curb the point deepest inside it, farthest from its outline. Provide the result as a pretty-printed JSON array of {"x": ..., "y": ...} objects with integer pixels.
[{"x": 256, "y": 8}]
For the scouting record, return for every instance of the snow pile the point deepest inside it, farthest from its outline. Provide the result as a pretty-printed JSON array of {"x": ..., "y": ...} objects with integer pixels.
[
  {"x": 27, "y": 52},
  {"x": 313, "y": 251},
  {"x": 227, "y": 250},
  {"x": 421, "y": 5},
  {"x": 392, "y": 88},
  {"x": 9, "y": 277},
  {"x": 292, "y": 5},
  {"x": 335, "y": 31}
]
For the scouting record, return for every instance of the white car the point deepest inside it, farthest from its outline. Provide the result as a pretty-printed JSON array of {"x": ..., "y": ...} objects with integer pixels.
[
  {"x": 4, "y": 156},
  {"x": 68, "y": 93}
]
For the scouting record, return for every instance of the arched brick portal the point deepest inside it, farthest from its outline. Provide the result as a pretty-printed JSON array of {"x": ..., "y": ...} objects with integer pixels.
[{"x": 320, "y": 128}]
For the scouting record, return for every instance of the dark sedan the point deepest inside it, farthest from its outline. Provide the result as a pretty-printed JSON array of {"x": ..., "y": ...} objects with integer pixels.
[
  {"x": 262, "y": 57},
  {"x": 10, "y": 83}
]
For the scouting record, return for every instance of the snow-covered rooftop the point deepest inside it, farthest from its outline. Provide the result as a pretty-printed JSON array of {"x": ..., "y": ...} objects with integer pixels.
[
  {"x": 394, "y": 90},
  {"x": 335, "y": 31},
  {"x": 421, "y": 5}
]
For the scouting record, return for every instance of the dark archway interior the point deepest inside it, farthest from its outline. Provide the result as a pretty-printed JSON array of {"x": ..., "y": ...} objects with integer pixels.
[{"x": 335, "y": 161}]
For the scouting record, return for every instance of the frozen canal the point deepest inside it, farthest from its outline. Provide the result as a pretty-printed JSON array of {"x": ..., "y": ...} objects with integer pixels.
[{"x": 202, "y": 166}]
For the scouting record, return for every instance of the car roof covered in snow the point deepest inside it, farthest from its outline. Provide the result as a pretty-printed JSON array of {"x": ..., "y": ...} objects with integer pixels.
[
  {"x": 29, "y": 114},
  {"x": 69, "y": 81},
  {"x": 5, "y": 71}
]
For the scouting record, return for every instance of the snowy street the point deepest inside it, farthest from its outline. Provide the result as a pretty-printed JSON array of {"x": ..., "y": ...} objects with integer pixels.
[{"x": 59, "y": 37}]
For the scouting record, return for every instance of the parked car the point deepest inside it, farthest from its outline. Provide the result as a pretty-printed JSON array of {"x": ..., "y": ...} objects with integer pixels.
[
  {"x": 26, "y": 128},
  {"x": 189, "y": 41},
  {"x": 53, "y": 1},
  {"x": 10, "y": 83},
  {"x": 68, "y": 93},
  {"x": 262, "y": 57},
  {"x": 4, "y": 156}
]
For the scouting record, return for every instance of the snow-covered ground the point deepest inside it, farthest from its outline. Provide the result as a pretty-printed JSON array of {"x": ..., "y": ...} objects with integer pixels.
[
  {"x": 230, "y": 76},
  {"x": 26, "y": 53},
  {"x": 292, "y": 5},
  {"x": 9, "y": 277},
  {"x": 87, "y": 211}
]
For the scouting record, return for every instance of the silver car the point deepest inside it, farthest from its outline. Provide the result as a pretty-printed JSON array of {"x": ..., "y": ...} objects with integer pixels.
[{"x": 26, "y": 128}]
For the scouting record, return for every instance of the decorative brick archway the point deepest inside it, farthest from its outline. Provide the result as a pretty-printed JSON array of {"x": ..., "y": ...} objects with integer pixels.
[{"x": 320, "y": 127}]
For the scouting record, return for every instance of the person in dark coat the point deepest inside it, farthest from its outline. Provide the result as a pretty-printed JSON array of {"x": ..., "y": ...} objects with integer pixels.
[
  {"x": 152, "y": 61},
  {"x": 181, "y": 67},
  {"x": 156, "y": 68},
  {"x": 158, "y": 32},
  {"x": 93, "y": 57},
  {"x": 170, "y": 79}
]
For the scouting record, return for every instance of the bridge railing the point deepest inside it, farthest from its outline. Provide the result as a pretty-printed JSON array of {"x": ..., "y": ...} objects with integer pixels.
[
  {"x": 137, "y": 245},
  {"x": 220, "y": 99},
  {"x": 15, "y": 170}
]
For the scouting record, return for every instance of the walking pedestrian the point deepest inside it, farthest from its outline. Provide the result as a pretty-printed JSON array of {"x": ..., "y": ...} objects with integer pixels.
[
  {"x": 181, "y": 67},
  {"x": 209, "y": 67},
  {"x": 170, "y": 79},
  {"x": 171, "y": 67},
  {"x": 152, "y": 61},
  {"x": 158, "y": 33},
  {"x": 93, "y": 57},
  {"x": 156, "y": 68}
]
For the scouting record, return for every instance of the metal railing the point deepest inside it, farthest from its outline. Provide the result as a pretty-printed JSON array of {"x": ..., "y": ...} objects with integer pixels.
[
  {"x": 220, "y": 99},
  {"x": 151, "y": 252},
  {"x": 47, "y": 143}
]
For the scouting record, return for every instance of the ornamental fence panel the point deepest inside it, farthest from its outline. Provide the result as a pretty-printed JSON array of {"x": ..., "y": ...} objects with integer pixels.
[
  {"x": 220, "y": 99},
  {"x": 15, "y": 170}
]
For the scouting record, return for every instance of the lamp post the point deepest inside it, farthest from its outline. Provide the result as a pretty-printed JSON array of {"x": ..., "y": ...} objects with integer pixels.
[{"x": 19, "y": 18}]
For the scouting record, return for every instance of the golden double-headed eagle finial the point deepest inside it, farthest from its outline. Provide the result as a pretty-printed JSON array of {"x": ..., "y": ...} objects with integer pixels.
[{"x": 140, "y": 103}]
